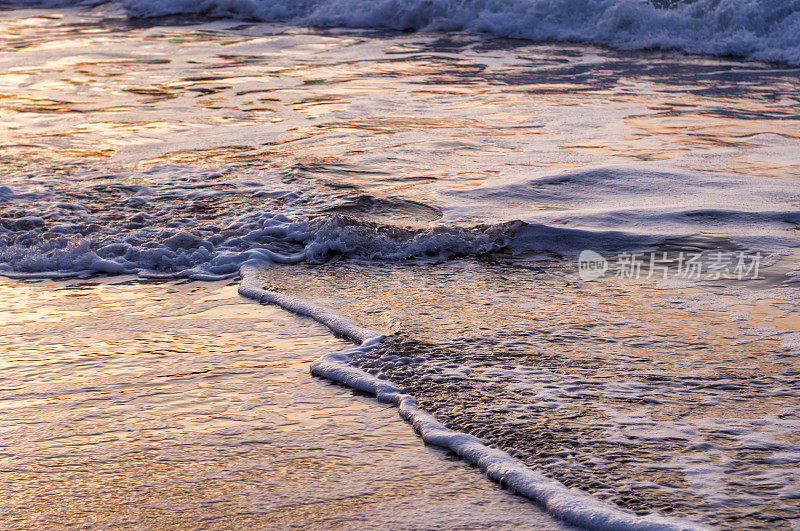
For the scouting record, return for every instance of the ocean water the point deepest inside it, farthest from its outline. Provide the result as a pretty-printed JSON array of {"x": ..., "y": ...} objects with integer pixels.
[
  {"x": 434, "y": 189},
  {"x": 130, "y": 405},
  {"x": 756, "y": 29}
]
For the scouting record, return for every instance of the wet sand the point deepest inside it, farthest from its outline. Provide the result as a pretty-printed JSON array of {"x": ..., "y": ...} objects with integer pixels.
[{"x": 180, "y": 405}]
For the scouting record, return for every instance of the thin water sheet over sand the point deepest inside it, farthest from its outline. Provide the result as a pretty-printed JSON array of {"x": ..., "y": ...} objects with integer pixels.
[{"x": 163, "y": 405}]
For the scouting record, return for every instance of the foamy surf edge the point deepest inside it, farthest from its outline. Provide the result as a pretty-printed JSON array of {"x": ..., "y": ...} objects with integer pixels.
[{"x": 571, "y": 506}]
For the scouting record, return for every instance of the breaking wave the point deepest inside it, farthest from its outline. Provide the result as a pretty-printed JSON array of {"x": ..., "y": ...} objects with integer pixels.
[{"x": 755, "y": 29}]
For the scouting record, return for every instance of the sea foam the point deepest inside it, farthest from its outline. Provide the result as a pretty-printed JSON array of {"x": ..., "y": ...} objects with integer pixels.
[
  {"x": 757, "y": 29},
  {"x": 764, "y": 30}
]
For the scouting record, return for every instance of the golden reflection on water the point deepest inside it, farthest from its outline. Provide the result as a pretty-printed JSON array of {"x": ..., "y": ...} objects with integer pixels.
[
  {"x": 169, "y": 405},
  {"x": 342, "y": 93},
  {"x": 411, "y": 114},
  {"x": 599, "y": 358}
]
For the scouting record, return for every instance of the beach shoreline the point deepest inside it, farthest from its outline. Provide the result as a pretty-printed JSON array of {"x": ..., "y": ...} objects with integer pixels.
[{"x": 131, "y": 409}]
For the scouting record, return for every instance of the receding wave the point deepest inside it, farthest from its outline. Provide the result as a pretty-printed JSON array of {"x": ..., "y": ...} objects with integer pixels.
[{"x": 572, "y": 506}]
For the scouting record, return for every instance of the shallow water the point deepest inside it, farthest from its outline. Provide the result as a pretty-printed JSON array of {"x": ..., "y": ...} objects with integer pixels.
[
  {"x": 225, "y": 129},
  {"x": 130, "y": 404},
  {"x": 435, "y": 187},
  {"x": 622, "y": 393}
]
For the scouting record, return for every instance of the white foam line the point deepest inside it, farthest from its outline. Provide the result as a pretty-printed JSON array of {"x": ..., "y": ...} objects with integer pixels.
[
  {"x": 572, "y": 506},
  {"x": 250, "y": 287}
]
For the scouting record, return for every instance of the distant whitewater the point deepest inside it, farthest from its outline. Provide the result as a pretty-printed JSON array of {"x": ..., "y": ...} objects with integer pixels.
[{"x": 763, "y": 30}]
